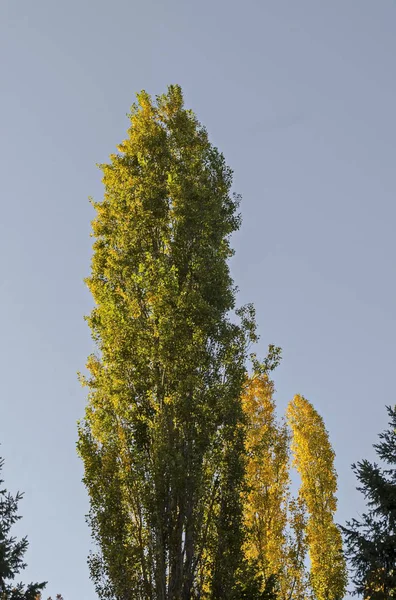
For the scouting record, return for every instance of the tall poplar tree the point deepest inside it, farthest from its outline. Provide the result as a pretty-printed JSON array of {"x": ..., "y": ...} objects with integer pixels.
[
  {"x": 268, "y": 480},
  {"x": 275, "y": 522},
  {"x": 162, "y": 441},
  {"x": 314, "y": 460}
]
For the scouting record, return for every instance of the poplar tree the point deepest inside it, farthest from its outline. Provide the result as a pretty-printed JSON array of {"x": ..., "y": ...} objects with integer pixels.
[
  {"x": 313, "y": 457},
  {"x": 162, "y": 441},
  {"x": 275, "y": 522},
  {"x": 268, "y": 481}
]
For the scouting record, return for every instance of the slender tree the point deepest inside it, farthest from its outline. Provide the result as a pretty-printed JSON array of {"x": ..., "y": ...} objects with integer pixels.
[
  {"x": 295, "y": 583},
  {"x": 12, "y": 551},
  {"x": 276, "y": 522},
  {"x": 314, "y": 460},
  {"x": 371, "y": 541},
  {"x": 267, "y": 446},
  {"x": 163, "y": 436}
]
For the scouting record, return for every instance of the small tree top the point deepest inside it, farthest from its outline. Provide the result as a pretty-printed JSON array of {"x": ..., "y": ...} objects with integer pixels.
[{"x": 12, "y": 551}]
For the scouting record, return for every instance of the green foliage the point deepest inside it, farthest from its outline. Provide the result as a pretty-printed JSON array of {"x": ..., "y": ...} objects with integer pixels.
[
  {"x": 163, "y": 437},
  {"x": 253, "y": 586},
  {"x": 271, "y": 361},
  {"x": 371, "y": 541},
  {"x": 12, "y": 551}
]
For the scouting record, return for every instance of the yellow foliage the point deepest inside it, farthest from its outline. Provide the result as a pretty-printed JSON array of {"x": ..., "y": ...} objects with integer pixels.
[
  {"x": 267, "y": 478},
  {"x": 313, "y": 457},
  {"x": 280, "y": 529}
]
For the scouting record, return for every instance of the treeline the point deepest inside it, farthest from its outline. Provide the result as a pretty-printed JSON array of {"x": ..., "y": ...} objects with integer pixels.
[{"x": 187, "y": 464}]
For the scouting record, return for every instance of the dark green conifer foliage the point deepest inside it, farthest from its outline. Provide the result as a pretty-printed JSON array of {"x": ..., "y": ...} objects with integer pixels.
[
  {"x": 371, "y": 541},
  {"x": 12, "y": 551}
]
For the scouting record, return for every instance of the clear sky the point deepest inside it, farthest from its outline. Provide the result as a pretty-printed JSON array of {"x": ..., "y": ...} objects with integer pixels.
[{"x": 300, "y": 96}]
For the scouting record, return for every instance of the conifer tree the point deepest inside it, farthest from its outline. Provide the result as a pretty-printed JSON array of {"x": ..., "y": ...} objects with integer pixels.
[
  {"x": 371, "y": 540},
  {"x": 12, "y": 551},
  {"x": 163, "y": 436}
]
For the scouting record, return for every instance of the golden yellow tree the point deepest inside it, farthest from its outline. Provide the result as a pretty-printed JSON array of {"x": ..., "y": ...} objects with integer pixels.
[
  {"x": 294, "y": 582},
  {"x": 275, "y": 523},
  {"x": 282, "y": 529},
  {"x": 313, "y": 457},
  {"x": 268, "y": 477}
]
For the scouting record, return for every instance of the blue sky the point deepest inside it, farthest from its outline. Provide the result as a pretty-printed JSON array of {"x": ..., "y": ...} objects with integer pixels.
[{"x": 300, "y": 97}]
